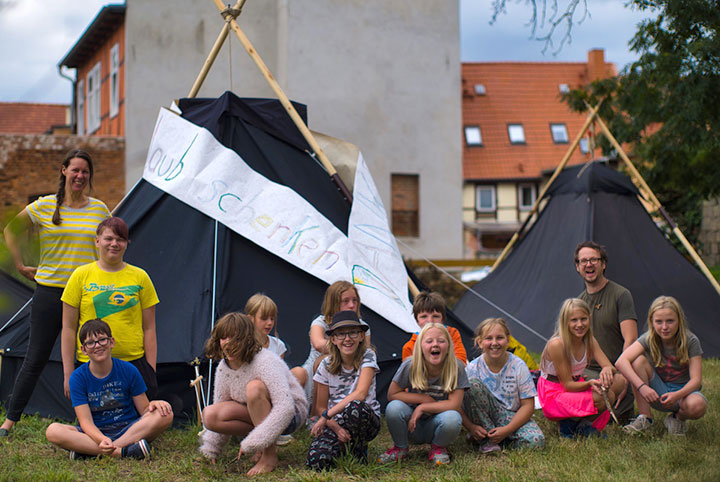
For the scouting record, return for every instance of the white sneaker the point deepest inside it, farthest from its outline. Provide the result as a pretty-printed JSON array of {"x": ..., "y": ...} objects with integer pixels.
[
  {"x": 284, "y": 439},
  {"x": 675, "y": 426},
  {"x": 641, "y": 424}
]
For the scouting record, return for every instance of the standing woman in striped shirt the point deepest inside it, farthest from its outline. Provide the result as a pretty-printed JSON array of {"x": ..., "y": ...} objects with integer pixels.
[{"x": 66, "y": 223}]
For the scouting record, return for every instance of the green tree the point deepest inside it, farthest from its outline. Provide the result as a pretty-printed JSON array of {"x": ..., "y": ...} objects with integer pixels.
[{"x": 665, "y": 104}]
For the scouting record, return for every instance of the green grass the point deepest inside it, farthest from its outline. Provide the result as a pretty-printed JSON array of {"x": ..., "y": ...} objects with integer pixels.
[{"x": 26, "y": 455}]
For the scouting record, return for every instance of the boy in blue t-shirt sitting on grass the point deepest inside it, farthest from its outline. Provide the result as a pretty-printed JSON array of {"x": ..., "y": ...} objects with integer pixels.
[{"x": 108, "y": 395}]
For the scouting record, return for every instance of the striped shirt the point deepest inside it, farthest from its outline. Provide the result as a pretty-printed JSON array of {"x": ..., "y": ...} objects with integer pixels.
[{"x": 69, "y": 245}]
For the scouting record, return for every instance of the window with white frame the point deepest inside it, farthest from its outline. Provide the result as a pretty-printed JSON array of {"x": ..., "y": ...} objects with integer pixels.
[
  {"x": 527, "y": 193},
  {"x": 559, "y": 133},
  {"x": 114, "y": 80},
  {"x": 81, "y": 108},
  {"x": 584, "y": 145},
  {"x": 516, "y": 133},
  {"x": 484, "y": 198},
  {"x": 93, "y": 98},
  {"x": 473, "y": 136}
]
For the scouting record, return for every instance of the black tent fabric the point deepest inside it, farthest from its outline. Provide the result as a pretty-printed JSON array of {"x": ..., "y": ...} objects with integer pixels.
[
  {"x": 596, "y": 203},
  {"x": 202, "y": 270},
  {"x": 13, "y": 296},
  {"x": 15, "y": 299}
]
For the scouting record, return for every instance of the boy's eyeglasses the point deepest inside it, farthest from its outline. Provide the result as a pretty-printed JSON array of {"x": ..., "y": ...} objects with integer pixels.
[
  {"x": 353, "y": 335},
  {"x": 99, "y": 342}
]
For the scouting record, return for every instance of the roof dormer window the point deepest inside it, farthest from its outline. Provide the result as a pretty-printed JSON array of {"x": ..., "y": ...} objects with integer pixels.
[{"x": 516, "y": 133}]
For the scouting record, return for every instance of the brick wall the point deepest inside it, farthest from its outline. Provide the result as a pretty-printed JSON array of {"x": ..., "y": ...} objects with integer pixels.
[
  {"x": 710, "y": 232},
  {"x": 30, "y": 165}
]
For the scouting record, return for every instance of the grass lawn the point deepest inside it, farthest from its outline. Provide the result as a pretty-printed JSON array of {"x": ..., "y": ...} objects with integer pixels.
[{"x": 26, "y": 455}]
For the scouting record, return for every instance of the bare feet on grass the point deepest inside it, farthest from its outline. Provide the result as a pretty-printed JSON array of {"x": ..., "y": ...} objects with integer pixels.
[{"x": 266, "y": 464}]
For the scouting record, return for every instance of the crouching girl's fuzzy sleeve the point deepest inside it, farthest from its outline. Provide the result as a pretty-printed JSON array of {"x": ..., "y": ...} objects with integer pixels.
[{"x": 212, "y": 443}]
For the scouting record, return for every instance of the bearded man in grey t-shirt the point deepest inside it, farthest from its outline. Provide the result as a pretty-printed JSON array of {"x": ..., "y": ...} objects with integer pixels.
[{"x": 614, "y": 321}]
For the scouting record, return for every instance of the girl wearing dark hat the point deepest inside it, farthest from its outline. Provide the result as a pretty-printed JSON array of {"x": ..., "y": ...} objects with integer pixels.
[{"x": 345, "y": 394}]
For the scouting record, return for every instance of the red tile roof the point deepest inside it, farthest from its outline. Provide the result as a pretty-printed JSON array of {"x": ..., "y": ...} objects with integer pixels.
[
  {"x": 526, "y": 93},
  {"x": 27, "y": 118}
]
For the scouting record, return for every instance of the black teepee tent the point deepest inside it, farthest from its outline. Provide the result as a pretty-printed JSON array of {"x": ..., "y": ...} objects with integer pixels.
[
  {"x": 595, "y": 203},
  {"x": 201, "y": 269}
]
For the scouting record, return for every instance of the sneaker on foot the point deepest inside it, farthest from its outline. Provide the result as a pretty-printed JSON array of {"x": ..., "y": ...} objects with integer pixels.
[
  {"x": 438, "y": 455},
  {"x": 675, "y": 426},
  {"x": 139, "y": 450},
  {"x": 78, "y": 456},
  {"x": 284, "y": 439},
  {"x": 567, "y": 428},
  {"x": 394, "y": 454},
  {"x": 586, "y": 429},
  {"x": 642, "y": 423},
  {"x": 490, "y": 448}
]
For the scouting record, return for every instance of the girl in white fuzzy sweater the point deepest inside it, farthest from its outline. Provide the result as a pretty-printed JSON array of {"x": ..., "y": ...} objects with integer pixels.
[{"x": 256, "y": 396}]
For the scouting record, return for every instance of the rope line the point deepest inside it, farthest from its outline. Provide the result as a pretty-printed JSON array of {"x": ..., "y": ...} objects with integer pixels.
[{"x": 475, "y": 293}]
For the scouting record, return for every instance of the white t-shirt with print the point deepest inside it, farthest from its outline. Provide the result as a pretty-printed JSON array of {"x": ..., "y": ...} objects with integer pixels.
[{"x": 510, "y": 385}]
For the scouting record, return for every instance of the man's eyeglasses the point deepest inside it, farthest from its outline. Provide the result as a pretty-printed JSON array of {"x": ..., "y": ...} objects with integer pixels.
[
  {"x": 585, "y": 261},
  {"x": 353, "y": 335},
  {"x": 93, "y": 343}
]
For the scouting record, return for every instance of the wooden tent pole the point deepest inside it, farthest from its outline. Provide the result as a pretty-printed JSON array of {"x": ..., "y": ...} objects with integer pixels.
[
  {"x": 213, "y": 54},
  {"x": 555, "y": 174},
  {"x": 640, "y": 182},
  {"x": 285, "y": 101},
  {"x": 287, "y": 104}
]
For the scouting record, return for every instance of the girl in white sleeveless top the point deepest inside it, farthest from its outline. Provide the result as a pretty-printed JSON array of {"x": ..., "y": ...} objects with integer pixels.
[
  {"x": 263, "y": 312},
  {"x": 563, "y": 393}
]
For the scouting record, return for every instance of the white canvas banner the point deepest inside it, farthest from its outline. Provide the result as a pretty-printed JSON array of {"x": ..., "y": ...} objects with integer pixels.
[
  {"x": 187, "y": 162},
  {"x": 377, "y": 266}
]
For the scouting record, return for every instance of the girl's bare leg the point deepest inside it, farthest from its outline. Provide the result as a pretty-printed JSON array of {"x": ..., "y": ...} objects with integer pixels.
[{"x": 259, "y": 405}]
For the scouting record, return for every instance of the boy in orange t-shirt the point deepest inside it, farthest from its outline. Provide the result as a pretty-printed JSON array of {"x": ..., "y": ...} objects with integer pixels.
[{"x": 429, "y": 307}]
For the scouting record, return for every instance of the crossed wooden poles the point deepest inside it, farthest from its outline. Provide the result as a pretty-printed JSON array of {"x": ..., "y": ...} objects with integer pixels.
[
  {"x": 230, "y": 14},
  {"x": 637, "y": 180}
]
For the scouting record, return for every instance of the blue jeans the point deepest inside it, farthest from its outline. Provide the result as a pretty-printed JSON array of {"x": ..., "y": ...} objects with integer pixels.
[
  {"x": 439, "y": 429},
  {"x": 661, "y": 387}
]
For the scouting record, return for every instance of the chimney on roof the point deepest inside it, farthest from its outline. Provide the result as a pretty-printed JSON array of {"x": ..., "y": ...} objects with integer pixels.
[{"x": 596, "y": 69}]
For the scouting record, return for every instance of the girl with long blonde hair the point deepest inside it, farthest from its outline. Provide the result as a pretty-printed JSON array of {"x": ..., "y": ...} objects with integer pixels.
[
  {"x": 564, "y": 394},
  {"x": 664, "y": 366},
  {"x": 425, "y": 397}
]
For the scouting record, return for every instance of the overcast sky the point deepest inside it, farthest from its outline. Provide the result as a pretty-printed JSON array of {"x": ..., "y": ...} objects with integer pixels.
[{"x": 35, "y": 35}]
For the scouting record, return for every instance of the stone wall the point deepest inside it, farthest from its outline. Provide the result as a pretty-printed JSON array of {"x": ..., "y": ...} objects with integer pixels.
[
  {"x": 710, "y": 232},
  {"x": 30, "y": 165}
]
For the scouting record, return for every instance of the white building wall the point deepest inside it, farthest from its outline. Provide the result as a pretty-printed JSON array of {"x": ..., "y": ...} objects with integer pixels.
[{"x": 384, "y": 75}]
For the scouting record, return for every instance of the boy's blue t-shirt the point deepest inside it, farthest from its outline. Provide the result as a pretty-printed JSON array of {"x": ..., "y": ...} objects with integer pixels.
[{"x": 110, "y": 398}]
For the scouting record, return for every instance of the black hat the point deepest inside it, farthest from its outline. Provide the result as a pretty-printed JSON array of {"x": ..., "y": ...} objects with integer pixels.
[{"x": 344, "y": 319}]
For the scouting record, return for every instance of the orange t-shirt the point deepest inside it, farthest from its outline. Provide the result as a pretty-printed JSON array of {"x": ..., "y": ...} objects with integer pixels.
[{"x": 460, "y": 353}]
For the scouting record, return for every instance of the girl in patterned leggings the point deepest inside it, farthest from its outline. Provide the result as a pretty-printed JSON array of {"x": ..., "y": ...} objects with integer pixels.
[
  {"x": 345, "y": 394},
  {"x": 499, "y": 404}
]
